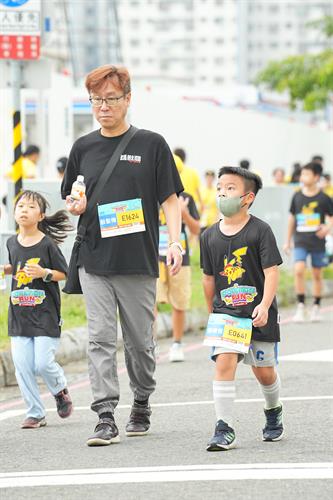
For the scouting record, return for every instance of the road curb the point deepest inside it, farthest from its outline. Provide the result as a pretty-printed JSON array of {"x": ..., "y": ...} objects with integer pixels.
[{"x": 73, "y": 343}]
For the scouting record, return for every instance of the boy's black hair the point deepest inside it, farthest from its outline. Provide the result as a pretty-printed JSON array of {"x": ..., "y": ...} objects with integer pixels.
[
  {"x": 315, "y": 168},
  {"x": 245, "y": 164},
  {"x": 252, "y": 181},
  {"x": 31, "y": 150},
  {"x": 181, "y": 153},
  {"x": 57, "y": 225},
  {"x": 61, "y": 164},
  {"x": 317, "y": 158}
]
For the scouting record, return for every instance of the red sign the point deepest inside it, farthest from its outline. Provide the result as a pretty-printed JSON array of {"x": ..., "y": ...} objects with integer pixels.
[{"x": 19, "y": 47}]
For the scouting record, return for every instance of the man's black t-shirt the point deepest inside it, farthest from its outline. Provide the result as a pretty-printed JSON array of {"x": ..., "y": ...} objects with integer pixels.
[
  {"x": 34, "y": 308},
  {"x": 192, "y": 208},
  {"x": 237, "y": 263},
  {"x": 310, "y": 212},
  {"x": 146, "y": 170}
]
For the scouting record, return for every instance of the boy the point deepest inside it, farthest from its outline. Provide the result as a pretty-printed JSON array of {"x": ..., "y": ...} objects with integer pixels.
[
  {"x": 176, "y": 290},
  {"x": 306, "y": 225},
  {"x": 239, "y": 258}
]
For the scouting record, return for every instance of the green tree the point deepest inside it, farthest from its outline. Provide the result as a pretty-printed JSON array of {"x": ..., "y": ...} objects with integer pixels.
[{"x": 308, "y": 78}]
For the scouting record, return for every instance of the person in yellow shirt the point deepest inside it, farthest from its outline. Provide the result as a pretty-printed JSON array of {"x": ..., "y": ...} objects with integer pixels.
[
  {"x": 210, "y": 212},
  {"x": 326, "y": 185},
  {"x": 189, "y": 176},
  {"x": 29, "y": 163}
]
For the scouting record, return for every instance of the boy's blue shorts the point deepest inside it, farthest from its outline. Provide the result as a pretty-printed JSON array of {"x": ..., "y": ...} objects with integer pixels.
[{"x": 318, "y": 259}]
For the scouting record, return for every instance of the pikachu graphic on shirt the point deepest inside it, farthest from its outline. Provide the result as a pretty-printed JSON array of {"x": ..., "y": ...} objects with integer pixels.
[{"x": 21, "y": 277}]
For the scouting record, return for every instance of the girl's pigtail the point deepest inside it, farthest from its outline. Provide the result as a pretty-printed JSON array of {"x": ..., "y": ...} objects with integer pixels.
[{"x": 56, "y": 226}]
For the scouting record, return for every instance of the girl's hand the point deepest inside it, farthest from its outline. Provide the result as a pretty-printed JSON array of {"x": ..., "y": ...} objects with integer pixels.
[
  {"x": 34, "y": 271},
  {"x": 260, "y": 315}
]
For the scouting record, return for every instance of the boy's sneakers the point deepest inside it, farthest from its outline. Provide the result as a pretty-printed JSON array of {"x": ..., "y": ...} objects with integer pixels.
[
  {"x": 176, "y": 352},
  {"x": 106, "y": 432},
  {"x": 64, "y": 403},
  {"x": 139, "y": 420},
  {"x": 33, "y": 423},
  {"x": 315, "y": 315},
  {"x": 224, "y": 438},
  {"x": 273, "y": 430},
  {"x": 300, "y": 315}
]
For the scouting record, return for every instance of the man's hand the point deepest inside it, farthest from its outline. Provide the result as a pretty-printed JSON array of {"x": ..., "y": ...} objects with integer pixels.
[
  {"x": 322, "y": 231},
  {"x": 76, "y": 207},
  {"x": 174, "y": 258},
  {"x": 260, "y": 315},
  {"x": 34, "y": 271}
]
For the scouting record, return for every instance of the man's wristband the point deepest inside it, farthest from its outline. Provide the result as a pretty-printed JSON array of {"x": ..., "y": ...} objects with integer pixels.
[{"x": 176, "y": 244}]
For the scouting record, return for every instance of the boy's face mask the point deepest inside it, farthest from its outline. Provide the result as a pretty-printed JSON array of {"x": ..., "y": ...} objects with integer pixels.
[{"x": 230, "y": 206}]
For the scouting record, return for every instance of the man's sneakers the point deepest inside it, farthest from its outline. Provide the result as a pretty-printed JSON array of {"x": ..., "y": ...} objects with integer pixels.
[
  {"x": 139, "y": 420},
  {"x": 176, "y": 353},
  {"x": 33, "y": 423},
  {"x": 64, "y": 403},
  {"x": 315, "y": 315},
  {"x": 224, "y": 438},
  {"x": 273, "y": 430},
  {"x": 106, "y": 432},
  {"x": 300, "y": 314}
]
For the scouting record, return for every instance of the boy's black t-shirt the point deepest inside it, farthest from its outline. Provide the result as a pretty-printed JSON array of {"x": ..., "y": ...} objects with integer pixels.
[
  {"x": 192, "y": 208},
  {"x": 237, "y": 263},
  {"x": 34, "y": 308},
  {"x": 310, "y": 212},
  {"x": 145, "y": 170}
]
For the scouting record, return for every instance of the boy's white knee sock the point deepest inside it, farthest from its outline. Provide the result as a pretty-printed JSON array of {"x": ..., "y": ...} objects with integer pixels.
[
  {"x": 272, "y": 393},
  {"x": 224, "y": 393}
]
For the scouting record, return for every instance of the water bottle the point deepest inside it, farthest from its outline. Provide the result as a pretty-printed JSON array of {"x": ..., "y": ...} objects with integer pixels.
[
  {"x": 78, "y": 188},
  {"x": 2, "y": 277}
]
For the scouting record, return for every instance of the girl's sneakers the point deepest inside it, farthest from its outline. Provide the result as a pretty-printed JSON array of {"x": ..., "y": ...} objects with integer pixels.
[{"x": 64, "y": 403}]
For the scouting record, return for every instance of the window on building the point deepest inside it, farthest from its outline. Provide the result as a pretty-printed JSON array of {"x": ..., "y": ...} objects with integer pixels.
[
  {"x": 135, "y": 42},
  {"x": 135, "y": 61},
  {"x": 219, "y": 20},
  {"x": 219, "y": 80},
  {"x": 219, "y": 2},
  {"x": 219, "y": 41},
  {"x": 219, "y": 60}
]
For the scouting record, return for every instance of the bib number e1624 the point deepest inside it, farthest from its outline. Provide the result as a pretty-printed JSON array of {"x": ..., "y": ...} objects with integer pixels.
[{"x": 121, "y": 217}]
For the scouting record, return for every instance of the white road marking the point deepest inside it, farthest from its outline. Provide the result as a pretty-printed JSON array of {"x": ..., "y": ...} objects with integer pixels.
[
  {"x": 16, "y": 413},
  {"x": 179, "y": 473},
  {"x": 314, "y": 356}
]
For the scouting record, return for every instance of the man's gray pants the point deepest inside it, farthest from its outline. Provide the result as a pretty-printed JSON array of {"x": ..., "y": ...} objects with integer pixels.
[{"x": 134, "y": 296}]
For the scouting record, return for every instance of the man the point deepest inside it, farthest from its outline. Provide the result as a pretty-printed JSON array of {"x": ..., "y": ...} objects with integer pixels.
[
  {"x": 120, "y": 270},
  {"x": 209, "y": 214}
]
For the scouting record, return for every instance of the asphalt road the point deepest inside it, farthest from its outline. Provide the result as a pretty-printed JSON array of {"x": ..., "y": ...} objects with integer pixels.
[{"x": 171, "y": 462}]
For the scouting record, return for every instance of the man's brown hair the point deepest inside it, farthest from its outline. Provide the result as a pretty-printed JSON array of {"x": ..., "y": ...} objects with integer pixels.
[{"x": 98, "y": 77}]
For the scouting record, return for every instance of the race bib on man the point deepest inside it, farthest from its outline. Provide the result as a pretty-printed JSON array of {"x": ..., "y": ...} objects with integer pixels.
[
  {"x": 121, "y": 217},
  {"x": 230, "y": 332}
]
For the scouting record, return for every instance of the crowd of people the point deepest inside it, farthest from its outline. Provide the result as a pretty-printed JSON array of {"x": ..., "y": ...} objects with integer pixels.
[{"x": 140, "y": 215}]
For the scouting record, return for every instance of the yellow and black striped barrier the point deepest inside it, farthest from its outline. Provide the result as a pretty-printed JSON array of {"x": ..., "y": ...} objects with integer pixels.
[{"x": 17, "y": 170}]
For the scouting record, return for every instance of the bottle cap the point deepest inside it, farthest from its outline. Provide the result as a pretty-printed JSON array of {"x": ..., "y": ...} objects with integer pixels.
[{"x": 80, "y": 178}]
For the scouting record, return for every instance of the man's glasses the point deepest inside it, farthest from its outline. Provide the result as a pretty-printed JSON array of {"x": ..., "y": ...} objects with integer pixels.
[{"x": 97, "y": 102}]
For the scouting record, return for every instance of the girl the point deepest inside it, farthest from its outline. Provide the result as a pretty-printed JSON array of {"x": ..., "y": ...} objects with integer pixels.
[{"x": 34, "y": 322}]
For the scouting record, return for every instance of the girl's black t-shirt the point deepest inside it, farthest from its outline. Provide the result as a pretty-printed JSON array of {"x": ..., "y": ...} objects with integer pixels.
[
  {"x": 145, "y": 170},
  {"x": 237, "y": 263},
  {"x": 34, "y": 307}
]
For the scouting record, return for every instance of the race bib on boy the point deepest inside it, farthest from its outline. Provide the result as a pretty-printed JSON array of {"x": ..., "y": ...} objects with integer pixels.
[
  {"x": 164, "y": 241},
  {"x": 307, "y": 223},
  {"x": 121, "y": 217},
  {"x": 229, "y": 332}
]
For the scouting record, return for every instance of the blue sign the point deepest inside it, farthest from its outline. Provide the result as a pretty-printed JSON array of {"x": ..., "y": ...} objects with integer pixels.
[{"x": 13, "y": 3}]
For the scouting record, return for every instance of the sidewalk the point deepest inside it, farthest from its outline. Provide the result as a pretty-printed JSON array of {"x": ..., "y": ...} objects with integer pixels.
[{"x": 73, "y": 343}]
